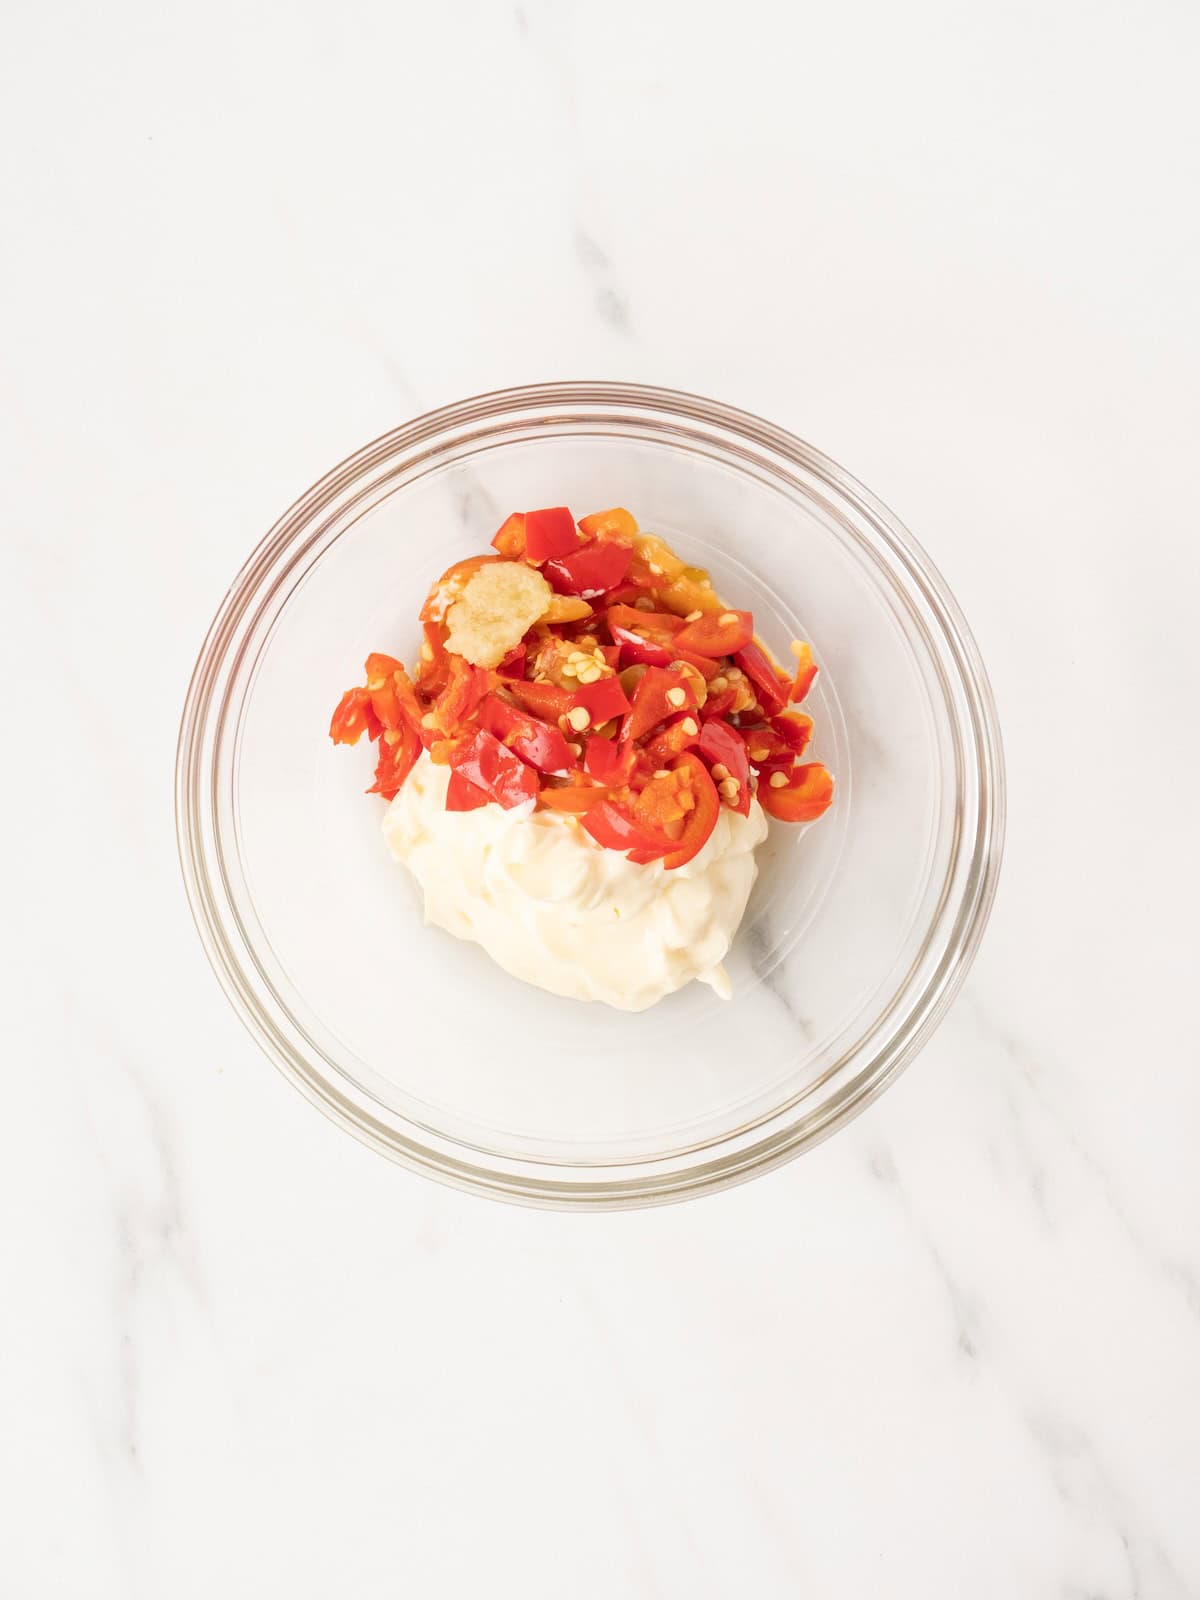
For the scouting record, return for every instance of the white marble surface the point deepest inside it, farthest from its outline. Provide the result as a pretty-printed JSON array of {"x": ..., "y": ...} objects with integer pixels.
[{"x": 955, "y": 1351}]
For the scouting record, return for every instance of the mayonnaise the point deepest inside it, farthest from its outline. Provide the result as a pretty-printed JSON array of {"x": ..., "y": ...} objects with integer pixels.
[{"x": 556, "y": 909}]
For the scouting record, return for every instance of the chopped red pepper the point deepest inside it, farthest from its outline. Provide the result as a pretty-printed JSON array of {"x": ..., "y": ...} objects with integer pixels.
[
  {"x": 602, "y": 700},
  {"x": 495, "y": 769},
  {"x": 545, "y": 700},
  {"x": 725, "y": 751},
  {"x": 718, "y": 705},
  {"x": 660, "y": 626},
  {"x": 664, "y": 802},
  {"x": 608, "y": 762},
  {"x": 549, "y": 533},
  {"x": 589, "y": 572},
  {"x": 466, "y": 688},
  {"x": 636, "y": 651},
  {"x": 509, "y": 538},
  {"x": 659, "y": 695},
  {"x": 350, "y": 718},
  {"x": 463, "y": 795},
  {"x": 573, "y": 798},
  {"x": 398, "y": 751},
  {"x": 612, "y": 826},
  {"x": 513, "y": 664},
  {"x": 434, "y": 670},
  {"x": 771, "y": 691},
  {"x": 702, "y": 818},
  {"x": 794, "y": 729},
  {"x": 677, "y": 736},
  {"x": 615, "y": 524},
  {"x": 806, "y": 794},
  {"x": 719, "y": 633},
  {"x": 382, "y": 674},
  {"x": 806, "y": 672},
  {"x": 535, "y": 741}
]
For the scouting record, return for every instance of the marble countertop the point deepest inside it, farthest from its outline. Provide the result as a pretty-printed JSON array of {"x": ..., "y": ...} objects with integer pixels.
[{"x": 953, "y": 1352}]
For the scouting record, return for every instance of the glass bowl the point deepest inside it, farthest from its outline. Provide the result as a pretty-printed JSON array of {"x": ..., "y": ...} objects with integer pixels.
[{"x": 860, "y": 929}]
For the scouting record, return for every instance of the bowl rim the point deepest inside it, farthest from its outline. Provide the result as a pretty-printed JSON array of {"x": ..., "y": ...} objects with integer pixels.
[{"x": 549, "y": 1187}]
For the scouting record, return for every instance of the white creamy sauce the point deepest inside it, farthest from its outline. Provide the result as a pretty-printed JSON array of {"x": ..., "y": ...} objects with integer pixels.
[{"x": 556, "y": 909}]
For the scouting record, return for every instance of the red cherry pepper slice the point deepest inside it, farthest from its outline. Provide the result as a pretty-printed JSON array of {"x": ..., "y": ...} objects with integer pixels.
[
  {"x": 463, "y": 795},
  {"x": 721, "y": 746},
  {"x": 608, "y": 762},
  {"x": 672, "y": 740},
  {"x": 612, "y": 826},
  {"x": 616, "y": 523},
  {"x": 545, "y": 700},
  {"x": 466, "y": 687},
  {"x": 548, "y": 533},
  {"x": 794, "y": 729},
  {"x": 601, "y": 700},
  {"x": 350, "y": 719},
  {"x": 807, "y": 793},
  {"x": 398, "y": 751},
  {"x": 535, "y": 741},
  {"x": 509, "y": 538},
  {"x": 589, "y": 572},
  {"x": 772, "y": 694},
  {"x": 660, "y": 695},
  {"x": 384, "y": 676},
  {"x": 495, "y": 769},
  {"x": 719, "y": 633},
  {"x": 718, "y": 705},
  {"x": 660, "y": 626},
  {"x": 702, "y": 818},
  {"x": 573, "y": 798},
  {"x": 806, "y": 672},
  {"x": 636, "y": 651}
]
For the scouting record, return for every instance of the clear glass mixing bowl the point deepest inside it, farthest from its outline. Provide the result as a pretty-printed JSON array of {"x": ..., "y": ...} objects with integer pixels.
[{"x": 859, "y": 932}]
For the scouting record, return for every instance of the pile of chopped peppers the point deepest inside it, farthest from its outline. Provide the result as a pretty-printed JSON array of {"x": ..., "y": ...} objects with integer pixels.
[{"x": 638, "y": 702}]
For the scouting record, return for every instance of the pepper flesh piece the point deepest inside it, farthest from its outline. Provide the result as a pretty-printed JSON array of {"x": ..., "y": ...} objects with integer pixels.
[
  {"x": 664, "y": 803},
  {"x": 496, "y": 769},
  {"x": 434, "y": 669},
  {"x": 384, "y": 674},
  {"x": 636, "y": 651},
  {"x": 614, "y": 524},
  {"x": 806, "y": 671},
  {"x": 550, "y": 532},
  {"x": 465, "y": 689},
  {"x": 714, "y": 636},
  {"x": 463, "y": 795},
  {"x": 718, "y": 705},
  {"x": 539, "y": 743},
  {"x": 610, "y": 825},
  {"x": 573, "y": 798},
  {"x": 590, "y": 572},
  {"x": 702, "y": 818},
  {"x": 807, "y": 793},
  {"x": 398, "y": 751},
  {"x": 659, "y": 695},
  {"x": 674, "y": 739},
  {"x": 658, "y": 626},
  {"x": 608, "y": 762},
  {"x": 350, "y": 718},
  {"x": 509, "y": 538},
  {"x": 772, "y": 694},
  {"x": 602, "y": 700},
  {"x": 721, "y": 745},
  {"x": 794, "y": 729},
  {"x": 545, "y": 700}
]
